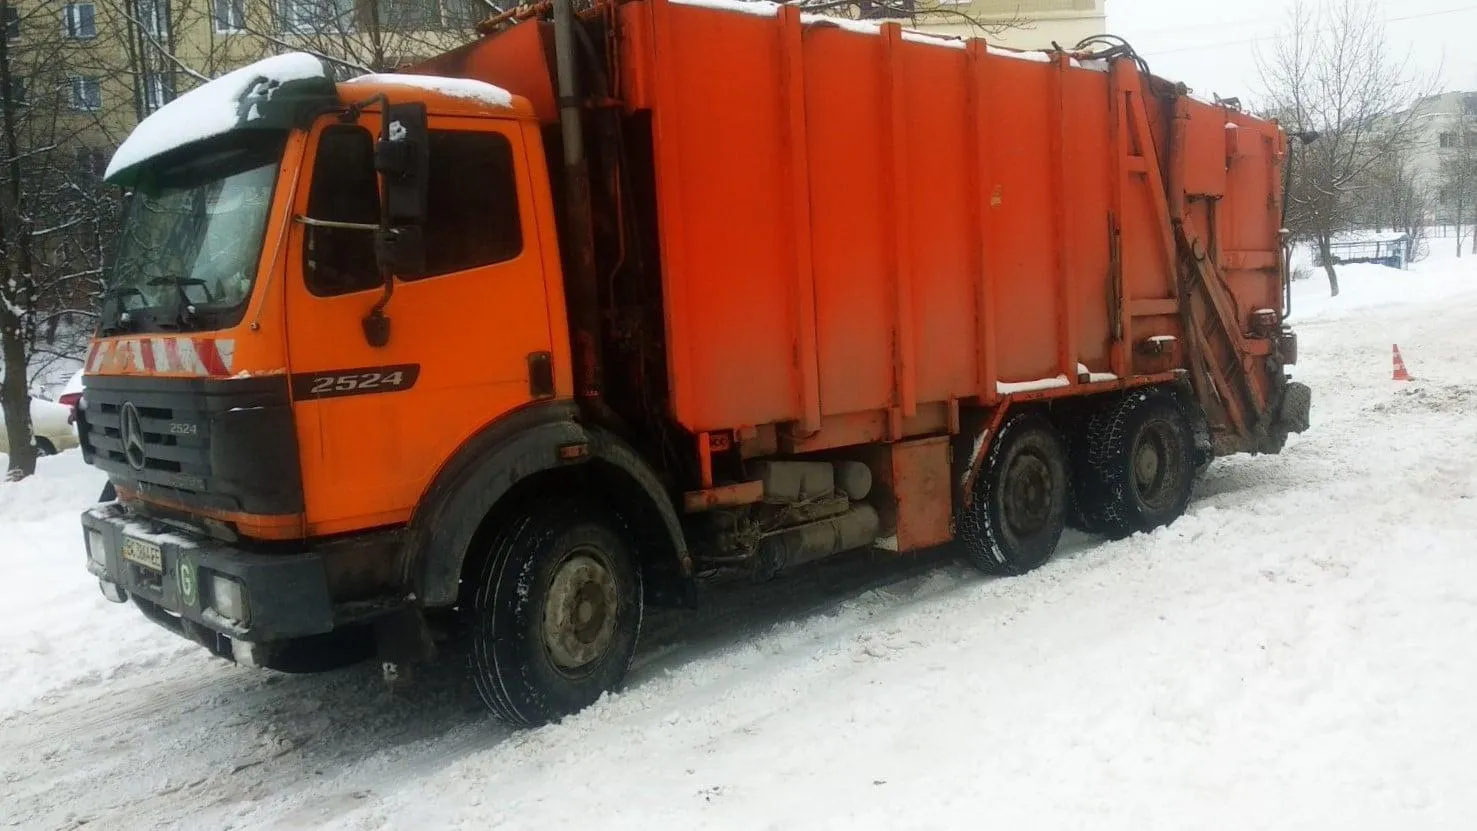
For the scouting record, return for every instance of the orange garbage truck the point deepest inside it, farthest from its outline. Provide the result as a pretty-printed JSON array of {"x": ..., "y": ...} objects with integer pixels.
[{"x": 612, "y": 304}]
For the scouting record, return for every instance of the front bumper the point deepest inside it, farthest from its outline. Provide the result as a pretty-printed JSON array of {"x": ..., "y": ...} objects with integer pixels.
[{"x": 285, "y": 595}]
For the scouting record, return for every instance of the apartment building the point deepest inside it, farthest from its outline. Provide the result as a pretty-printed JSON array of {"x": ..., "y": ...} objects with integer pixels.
[{"x": 90, "y": 70}]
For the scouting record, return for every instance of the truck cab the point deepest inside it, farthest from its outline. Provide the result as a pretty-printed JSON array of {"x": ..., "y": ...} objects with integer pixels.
[{"x": 296, "y": 342}]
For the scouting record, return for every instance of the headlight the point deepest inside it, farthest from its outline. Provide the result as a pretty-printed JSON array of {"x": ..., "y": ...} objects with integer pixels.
[
  {"x": 228, "y": 598},
  {"x": 96, "y": 549}
]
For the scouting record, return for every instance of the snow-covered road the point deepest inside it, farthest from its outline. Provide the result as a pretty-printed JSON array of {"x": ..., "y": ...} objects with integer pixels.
[{"x": 1295, "y": 653}]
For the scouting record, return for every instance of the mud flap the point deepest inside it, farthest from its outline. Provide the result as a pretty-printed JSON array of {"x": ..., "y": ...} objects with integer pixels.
[
  {"x": 1296, "y": 410},
  {"x": 1293, "y": 416}
]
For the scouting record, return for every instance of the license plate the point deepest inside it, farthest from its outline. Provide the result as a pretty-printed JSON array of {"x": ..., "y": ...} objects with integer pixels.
[{"x": 145, "y": 554}]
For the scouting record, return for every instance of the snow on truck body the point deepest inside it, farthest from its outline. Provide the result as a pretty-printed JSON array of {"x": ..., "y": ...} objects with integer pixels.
[{"x": 361, "y": 366}]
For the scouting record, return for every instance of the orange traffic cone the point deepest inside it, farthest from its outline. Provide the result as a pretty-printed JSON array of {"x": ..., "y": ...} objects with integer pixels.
[{"x": 1400, "y": 373}]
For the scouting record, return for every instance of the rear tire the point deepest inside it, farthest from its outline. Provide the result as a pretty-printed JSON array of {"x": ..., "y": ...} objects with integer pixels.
[
  {"x": 1138, "y": 466},
  {"x": 1019, "y": 506},
  {"x": 556, "y": 613},
  {"x": 44, "y": 447}
]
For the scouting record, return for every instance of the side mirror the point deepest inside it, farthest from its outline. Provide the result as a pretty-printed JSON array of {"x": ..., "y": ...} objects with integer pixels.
[
  {"x": 403, "y": 159},
  {"x": 401, "y": 250}
]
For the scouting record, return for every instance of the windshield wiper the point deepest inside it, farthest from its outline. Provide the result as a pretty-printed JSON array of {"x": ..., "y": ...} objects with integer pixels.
[
  {"x": 122, "y": 320},
  {"x": 185, "y": 311}
]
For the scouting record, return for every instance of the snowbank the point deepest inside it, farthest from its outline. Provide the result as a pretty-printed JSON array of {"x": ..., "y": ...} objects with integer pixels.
[
  {"x": 1364, "y": 287},
  {"x": 57, "y": 631}
]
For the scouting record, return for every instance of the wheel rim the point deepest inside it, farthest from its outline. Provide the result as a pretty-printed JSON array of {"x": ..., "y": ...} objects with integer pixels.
[
  {"x": 580, "y": 611},
  {"x": 1153, "y": 465},
  {"x": 1028, "y": 490}
]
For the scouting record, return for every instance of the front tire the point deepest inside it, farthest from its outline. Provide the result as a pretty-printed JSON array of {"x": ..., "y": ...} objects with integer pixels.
[
  {"x": 1019, "y": 506},
  {"x": 556, "y": 614},
  {"x": 1139, "y": 466},
  {"x": 44, "y": 447}
]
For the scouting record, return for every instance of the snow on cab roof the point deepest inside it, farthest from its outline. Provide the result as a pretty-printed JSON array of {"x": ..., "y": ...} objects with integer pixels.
[
  {"x": 214, "y": 108},
  {"x": 465, "y": 88}
]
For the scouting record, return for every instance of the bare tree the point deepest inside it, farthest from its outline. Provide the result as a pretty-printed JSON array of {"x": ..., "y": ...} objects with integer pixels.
[
  {"x": 1332, "y": 76},
  {"x": 55, "y": 214},
  {"x": 1393, "y": 196},
  {"x": 358, "y": 36},
  {"x": 921, "y": 13},
  {"x": 1458, "y": 171}
]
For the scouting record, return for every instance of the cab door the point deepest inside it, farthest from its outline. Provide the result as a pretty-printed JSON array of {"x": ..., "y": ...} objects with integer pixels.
[{"x": 469, "y": 340}]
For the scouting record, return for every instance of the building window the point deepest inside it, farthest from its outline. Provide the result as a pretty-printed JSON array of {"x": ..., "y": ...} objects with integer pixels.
[
  {"x": 229, "y": 15},
  {"x": 12, "y": 23},
  {"x": 317, "y": 16},
  {"x": 79, "y": 20},
  {"x": 92, "y": 163},
  {"x": 87, "y": 93},
  {"x": 464, "y": 14},
  {"x": 1448, "y": 139},
  {"x": 16, "y": 92},
  {"x": 887, "y": 9},
  {"x": 152, "y": 17},
  {"x": 158, "y": 90},
  {"x": 409, "y": 14}
]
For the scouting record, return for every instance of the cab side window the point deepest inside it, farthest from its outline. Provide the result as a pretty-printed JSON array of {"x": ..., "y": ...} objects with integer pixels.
[
  {"x": 341, "y": 260},
  {"x": 473, "y": 208}
]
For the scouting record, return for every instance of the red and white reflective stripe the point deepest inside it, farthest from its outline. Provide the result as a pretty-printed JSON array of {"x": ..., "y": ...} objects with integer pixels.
[{"x": 204, "y": 357}]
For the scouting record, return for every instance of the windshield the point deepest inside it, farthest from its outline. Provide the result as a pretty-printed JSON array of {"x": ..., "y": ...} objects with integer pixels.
[{"x": 192, "y": 237}]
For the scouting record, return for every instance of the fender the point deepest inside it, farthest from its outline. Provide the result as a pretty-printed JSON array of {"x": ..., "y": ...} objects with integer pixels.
[{"x": 512, "y": 449}]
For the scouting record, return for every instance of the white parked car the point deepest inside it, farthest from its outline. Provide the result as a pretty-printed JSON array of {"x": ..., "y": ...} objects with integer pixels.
[{"x": 51, "y": 423}]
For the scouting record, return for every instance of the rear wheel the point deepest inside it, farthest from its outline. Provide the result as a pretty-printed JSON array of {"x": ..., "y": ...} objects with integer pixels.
[
  {"x": 1138, "y": 466},
  {"x": 44, "y": 447},
  {"x": 1019, "y": 506},
  {"x": 556, "y": 613}
]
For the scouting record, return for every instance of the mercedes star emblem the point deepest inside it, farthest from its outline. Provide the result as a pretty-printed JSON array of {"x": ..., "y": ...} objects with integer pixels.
[{"x": 133, "y": 436}]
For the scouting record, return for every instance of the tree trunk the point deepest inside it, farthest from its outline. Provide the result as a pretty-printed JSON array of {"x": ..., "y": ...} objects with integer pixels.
[
  {"x": 1325, "y": 251},
  {"x": 1459, "y": 227},
  {"x": 15, "y": 291},
  {"x": 15, "y": 399}
]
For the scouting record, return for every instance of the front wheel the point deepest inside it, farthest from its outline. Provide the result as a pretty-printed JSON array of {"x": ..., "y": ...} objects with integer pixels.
[{"x": 556, "y": 613}]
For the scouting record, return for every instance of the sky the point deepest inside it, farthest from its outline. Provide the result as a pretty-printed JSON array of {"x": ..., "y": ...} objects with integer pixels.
[{"x": 1211, "y": 44}]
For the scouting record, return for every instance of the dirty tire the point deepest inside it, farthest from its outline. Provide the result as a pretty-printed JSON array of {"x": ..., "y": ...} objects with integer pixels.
[
  {"x": 1138, "y": 464},
  {"x": 556, "y": 613},
  {"x": 1020, "y": 500}
]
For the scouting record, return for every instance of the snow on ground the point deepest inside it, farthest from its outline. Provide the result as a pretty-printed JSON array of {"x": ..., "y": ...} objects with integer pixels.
[
  {"x": 1294, "y": 653},
  {"x": 54, "y": 616}
]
